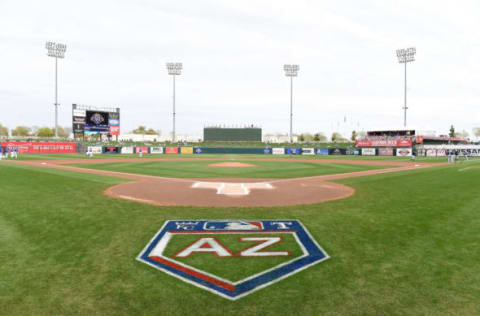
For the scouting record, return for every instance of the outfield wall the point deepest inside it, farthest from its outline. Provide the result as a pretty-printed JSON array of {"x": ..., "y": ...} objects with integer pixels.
[
  {"x": 39, "y": 147},
  {"x": 58, "y": 147},
  {"x": 448, "y": 150},
  {"x": 309, "y": 151}
]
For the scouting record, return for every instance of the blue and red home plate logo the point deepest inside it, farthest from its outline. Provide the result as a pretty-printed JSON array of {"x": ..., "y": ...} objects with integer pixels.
[{"x": 232, "y": 258}]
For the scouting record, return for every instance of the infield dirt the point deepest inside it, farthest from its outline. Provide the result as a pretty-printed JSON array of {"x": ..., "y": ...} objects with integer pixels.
[{"x": 175, "y": 191}]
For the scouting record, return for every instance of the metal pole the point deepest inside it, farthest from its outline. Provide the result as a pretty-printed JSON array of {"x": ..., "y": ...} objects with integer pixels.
[
  {"x": 405, "y": 97},
  {"x": 56, "y": 99},
  {"x": 291, "y": 108},
  {"x": 173, "y": 135}
]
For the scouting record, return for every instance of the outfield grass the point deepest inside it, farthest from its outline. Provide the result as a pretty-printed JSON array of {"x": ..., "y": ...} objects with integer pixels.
[
  {"x": 225, "y": 156},
  {"x": 201, "y": 169},
  {"x": 405, "y": 244}
]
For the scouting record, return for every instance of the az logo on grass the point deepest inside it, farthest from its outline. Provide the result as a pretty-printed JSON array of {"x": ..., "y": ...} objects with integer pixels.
[{"x": 232, "y": 258}]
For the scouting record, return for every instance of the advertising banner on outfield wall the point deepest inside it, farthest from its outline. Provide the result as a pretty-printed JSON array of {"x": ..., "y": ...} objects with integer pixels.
[
  {"x": 322, "y": 151},
  {"x": 431, "y": 153},
  {"x": 293, "y": 151},
  {"x": 463, "y": 152},
  {"x": 469, "y": 152},
  {"x": 369, "y": 151},
  {"x": 127, "y": 150},
  {"x": 385, "y": 151},
  {"x": 141, "y": 149},
  {"x": 459, "y": 150},
  {"x": 384, "y": 143},
  {"x": 95, "y": 149},
  {"x": 278, "y": 151},
  {"x": 42, "y": 147},
  {"x": 186, "y": 150},
  {"x": 404, "y": 152},
  {"x": 352, "y": 151},
  {"x": 171, "y": 150},
  {"x": 441, "y": 152},
  {"x": 308, "y": 151},
  {"x": 111, "y": 150},
  {"x": 337, "y": 151},
  {"x": 156, "y": 150},
  {"x": 229, "y": 150}
]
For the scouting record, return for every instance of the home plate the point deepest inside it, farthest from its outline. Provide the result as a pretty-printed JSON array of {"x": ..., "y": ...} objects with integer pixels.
[{"x": 232, "y": 188}]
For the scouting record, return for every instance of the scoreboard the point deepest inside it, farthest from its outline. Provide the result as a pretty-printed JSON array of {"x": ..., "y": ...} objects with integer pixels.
[{"x": 88, "y": 120}]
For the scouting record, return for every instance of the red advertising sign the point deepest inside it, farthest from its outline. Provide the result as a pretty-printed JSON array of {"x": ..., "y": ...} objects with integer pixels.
[
  {"x": 385, "y": 143},
  {"x": 112, "y": 150},
  {"x": 171, "y": 150},
  {"x": 114, "y": 130},
  {"x": 42, "y": 147},
  {"x": 143, "y": 150}
]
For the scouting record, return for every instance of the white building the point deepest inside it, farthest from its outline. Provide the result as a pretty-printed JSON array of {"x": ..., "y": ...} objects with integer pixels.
[
  {"x": 275, "y": 139},
  {"x": 158, "y": 138}
]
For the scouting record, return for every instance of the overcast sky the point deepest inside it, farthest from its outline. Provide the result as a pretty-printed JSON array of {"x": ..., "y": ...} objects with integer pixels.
[{"x": 233, "y": 54}]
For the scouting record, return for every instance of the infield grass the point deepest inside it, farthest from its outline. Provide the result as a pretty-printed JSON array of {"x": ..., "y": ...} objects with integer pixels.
[
  {"x": 201, "y": 168},
  {"x": 405, "y": 243}
]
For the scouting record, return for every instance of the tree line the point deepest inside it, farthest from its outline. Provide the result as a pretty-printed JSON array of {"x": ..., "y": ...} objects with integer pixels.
[
  {"x": 25, "y": 131},
  {"x": 464, "y": 133},
  {"x": 64, "y": 132},
  {"x": 143, "y": 130},
  {"x": 320, "y": 137}
]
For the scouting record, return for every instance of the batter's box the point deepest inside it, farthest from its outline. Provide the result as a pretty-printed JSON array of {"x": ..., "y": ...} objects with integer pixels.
[{"x": 232, "y": 188}]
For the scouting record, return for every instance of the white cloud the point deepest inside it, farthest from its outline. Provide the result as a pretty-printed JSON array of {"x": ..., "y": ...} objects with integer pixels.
[{"x": 233, "y": 52}]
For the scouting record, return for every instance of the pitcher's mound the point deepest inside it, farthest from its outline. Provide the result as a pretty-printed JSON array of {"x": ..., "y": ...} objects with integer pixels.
[{"x": 231, "y": 164}]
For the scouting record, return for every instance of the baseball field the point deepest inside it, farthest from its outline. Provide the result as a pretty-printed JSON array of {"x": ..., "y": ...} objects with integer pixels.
[{"x": 399, "y": 237}]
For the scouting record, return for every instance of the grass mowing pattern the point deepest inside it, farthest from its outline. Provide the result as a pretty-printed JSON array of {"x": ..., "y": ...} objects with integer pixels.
[
  {"x": 200, "y": 169},
  {"x": 225, "y": 156},
  {"x": 405, "y": 243}
]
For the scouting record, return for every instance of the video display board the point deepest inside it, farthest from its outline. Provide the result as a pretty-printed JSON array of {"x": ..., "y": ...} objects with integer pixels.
[
  {"x": 88, "y": 120},
  {"x": 96, "y": 121}
]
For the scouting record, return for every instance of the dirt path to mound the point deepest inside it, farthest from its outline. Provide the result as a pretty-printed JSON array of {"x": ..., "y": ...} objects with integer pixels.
[{"x": 228, "y": 192}]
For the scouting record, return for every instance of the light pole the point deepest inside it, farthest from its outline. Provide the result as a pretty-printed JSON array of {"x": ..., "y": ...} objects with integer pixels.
[
  {"x": 56, "y": 50},
  {"x": 174, "y": 69},
  {"x": 291, "y": 71},
  {"x": 406, "y": 56}
]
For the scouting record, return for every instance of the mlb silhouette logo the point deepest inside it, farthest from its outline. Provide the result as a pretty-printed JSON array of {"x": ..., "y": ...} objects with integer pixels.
[{"x": 232, "y": 258}]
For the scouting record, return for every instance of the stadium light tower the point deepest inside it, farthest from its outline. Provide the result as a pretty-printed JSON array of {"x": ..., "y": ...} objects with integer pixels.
[
  {"x": 56, "y": 50},
  {"x": 406, "y": 56},
  {"x": 174, "y": 69},
  {"x": 291, "y": 71}
]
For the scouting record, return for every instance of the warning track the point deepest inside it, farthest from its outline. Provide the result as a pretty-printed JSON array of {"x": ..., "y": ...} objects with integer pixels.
[{"x": 243, "y": 192}]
